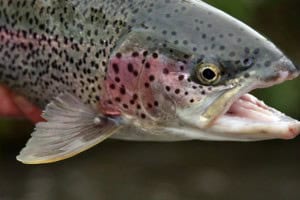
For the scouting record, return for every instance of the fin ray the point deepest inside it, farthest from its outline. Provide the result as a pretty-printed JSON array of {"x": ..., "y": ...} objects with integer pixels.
[{"x": 70, "y": 129}]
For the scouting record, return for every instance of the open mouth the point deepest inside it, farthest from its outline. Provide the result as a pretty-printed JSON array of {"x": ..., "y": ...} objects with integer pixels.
[
  {"x": 252, "y": 117},
  {"x": 235, "y": 115},
  {"x": 249, "y": 113},
  {"x": 248, "y": 107}
]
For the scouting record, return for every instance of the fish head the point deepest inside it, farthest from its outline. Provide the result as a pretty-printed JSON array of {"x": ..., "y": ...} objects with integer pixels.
[{"x": 189, "y": 73}]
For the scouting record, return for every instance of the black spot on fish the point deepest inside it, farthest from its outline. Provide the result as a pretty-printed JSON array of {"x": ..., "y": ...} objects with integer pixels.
[
  {"x": 180, "y": 77},
  {"x": 147, "y": 65},
  {"x": 130, "y": 68},
  {"x": 168, "y": 88},
  {"x": 123, "y": 90},
  {"x": 151, "y": 78},
  {"x": 112, "y": 86},
  {"x": 165, "y": 71},
  {"x": 116, "y": 68},
  {"x": 117, "y": 79},
  {"x": 268, "y": 63},
  {"x": 135, "y": 54}
]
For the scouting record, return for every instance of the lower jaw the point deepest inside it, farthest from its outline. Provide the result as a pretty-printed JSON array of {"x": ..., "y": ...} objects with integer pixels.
[{"x": 249, "y": 118}]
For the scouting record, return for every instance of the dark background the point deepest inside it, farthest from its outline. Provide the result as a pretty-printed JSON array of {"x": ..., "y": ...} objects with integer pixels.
[{"x": 169, "y": 171}]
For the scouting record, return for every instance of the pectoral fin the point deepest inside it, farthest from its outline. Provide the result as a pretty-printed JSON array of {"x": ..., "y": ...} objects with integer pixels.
[{"x": 71, "y": 127}]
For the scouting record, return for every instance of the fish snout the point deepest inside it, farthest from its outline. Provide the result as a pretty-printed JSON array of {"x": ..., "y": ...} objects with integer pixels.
[{"x": 287, "y": 69}]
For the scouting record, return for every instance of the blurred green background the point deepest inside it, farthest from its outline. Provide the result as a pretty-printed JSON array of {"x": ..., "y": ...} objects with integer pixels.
[{"x": 170, "y": 171}]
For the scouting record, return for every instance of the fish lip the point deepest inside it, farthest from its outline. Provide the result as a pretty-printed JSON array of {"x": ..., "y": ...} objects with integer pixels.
[
  {"x": 285, "y": 61},
  {"x": 284, "y": 65}
]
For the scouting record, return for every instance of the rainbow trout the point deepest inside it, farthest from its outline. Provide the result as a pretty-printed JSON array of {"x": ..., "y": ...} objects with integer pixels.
[{"x": 145, "y": 70}]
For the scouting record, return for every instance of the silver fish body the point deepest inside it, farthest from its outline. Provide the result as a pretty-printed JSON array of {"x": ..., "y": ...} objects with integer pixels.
[{"x": 140, "y": 70}]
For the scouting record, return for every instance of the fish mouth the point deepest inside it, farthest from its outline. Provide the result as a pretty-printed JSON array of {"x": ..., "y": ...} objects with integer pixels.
[
  {"x": 250, "y": 118},
  {"x": 244, "y": 118}
]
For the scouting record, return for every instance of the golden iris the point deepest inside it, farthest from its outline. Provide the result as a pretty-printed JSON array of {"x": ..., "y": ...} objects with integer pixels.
[{"x": 208, "y": 73}]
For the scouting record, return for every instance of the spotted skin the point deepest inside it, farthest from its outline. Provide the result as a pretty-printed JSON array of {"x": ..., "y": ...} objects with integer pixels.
[
  {"x": 66, "y": 45},
  {"x": 130, "y": 58},
  {"x": 48, "y": 47}
]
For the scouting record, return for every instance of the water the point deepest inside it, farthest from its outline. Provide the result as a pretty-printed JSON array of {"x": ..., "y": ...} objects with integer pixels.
[{"x": 154, "y": 171}]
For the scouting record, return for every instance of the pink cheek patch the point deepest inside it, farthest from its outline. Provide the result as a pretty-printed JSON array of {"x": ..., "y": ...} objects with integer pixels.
[
  {"x": 147, "y": 86},
  {"x": 166, "y": 86},
  {"x": 121, "y": 83},
  {"x": 151, "y": 93},
  {"x": 131, "y": 84}
]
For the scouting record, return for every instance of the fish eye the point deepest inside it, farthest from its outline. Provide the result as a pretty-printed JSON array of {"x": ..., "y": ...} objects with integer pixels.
[{"x": 208, "y": 73}]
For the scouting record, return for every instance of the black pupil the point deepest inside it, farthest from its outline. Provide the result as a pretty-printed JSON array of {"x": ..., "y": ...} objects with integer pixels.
[{"x": 209, "y": 74}]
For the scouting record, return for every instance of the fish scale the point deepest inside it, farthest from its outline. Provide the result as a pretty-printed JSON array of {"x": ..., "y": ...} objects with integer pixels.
[
  {"x": 67, "y": 51},
  {"x": 145, "y": 70}
]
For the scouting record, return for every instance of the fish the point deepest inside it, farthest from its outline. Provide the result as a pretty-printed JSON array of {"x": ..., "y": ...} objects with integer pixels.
[{"x": 155, "y": 70}]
